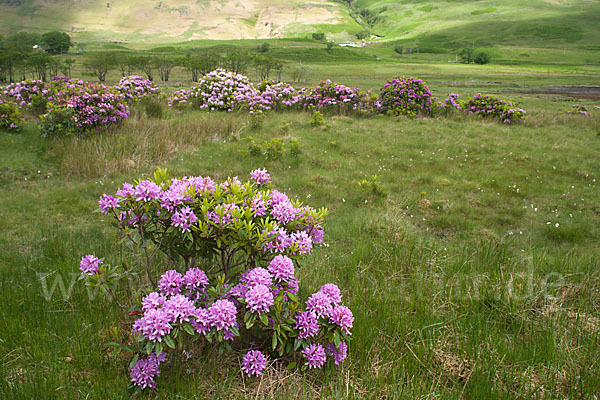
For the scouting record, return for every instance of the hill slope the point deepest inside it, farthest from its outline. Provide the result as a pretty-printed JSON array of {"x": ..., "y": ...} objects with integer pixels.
[
  {"x": 169, "y": 20},
  {"x": 433, "y": 24},
  {"x": 454, "y": 23}
]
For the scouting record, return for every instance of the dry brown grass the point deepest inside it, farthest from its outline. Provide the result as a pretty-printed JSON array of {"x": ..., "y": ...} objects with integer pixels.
[{"x": 140, "y": 143}]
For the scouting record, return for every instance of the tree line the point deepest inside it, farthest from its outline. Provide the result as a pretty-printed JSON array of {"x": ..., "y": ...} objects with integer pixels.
[
  {"x": 196, "y": 63},
  {"x": 26, "y": 54}
]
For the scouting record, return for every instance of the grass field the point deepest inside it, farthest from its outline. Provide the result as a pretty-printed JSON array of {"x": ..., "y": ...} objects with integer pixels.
[{"x": 475, "y": 276}]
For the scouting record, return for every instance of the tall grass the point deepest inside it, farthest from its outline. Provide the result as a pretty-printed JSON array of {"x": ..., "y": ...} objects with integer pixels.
[
  {"x": 140, "y": 143},
  {"x": 475, "y": 277}
]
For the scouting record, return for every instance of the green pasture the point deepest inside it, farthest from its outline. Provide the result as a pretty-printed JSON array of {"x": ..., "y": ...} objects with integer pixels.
[{"x": 472, "y": 273}]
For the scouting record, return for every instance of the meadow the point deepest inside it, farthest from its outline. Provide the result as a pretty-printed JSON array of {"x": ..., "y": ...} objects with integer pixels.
[{"x": 471, "y": 264}]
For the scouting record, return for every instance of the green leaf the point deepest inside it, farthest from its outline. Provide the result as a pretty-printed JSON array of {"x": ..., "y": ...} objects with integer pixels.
[
  {"x": 158, "y": 348},
  {"x": 149, "y": 347},
  {"x": 169, "y": 342},
  {"x": 129, "y": 349},
  {"x": 188, "y": 328},
  {"x": 134, "y": 360},
  {"x": 264, "y": 318},
  {"x": 274, "y": 341},
  {"x": 234, "y": 330},
  {"x": 336, "y": 340},
  {"x": 291, "y": 365}
]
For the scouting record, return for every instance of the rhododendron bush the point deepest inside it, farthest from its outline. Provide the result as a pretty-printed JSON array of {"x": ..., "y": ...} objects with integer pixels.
[
  {"x": 136, "y": 87},
  {"x": 81, "y": 109},
  {"x": 406, "y": 96},
  {"x": 579, "y": 109},
  {"x": 10, "y": 117},
  {"x": 72, "y": 106},
  {"x": 228, "y": 253},
  {"x": 222, "y": 90},
  {"x": 492, "y": 107},
  {"x": 218, "y": 90},
  {"x": 338, "y": 98}
]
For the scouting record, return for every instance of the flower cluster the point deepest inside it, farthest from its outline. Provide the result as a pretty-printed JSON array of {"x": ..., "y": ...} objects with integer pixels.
[
  {"x": 21, "y": 93},
  {"x": 452, "y": 102},
  {"x": 579, "y": 109},
  {"x": 324, "y": 311},
  {"x": 145, "y": 370},
  {"x": 335, "y": 97},
  {"x": 10, "y": 117},
  {"x": 89, "y": 264},
  {"x": 487, "y": 106},
  {"x": 253, "y": 363},
  {"x": 136, "y": 87},
  {"x": 219, "y": 90},
  {"x": 406, "y": 96},
  {"x": 278, "y": 95}
]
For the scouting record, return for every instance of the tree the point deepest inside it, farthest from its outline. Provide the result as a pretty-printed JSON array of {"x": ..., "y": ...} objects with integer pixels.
[
  {"x": 55, "y": 42},
  {"x": 263, "y": 48},
  {"x": 399, "y": 49},
  {"x": 466, "y": 55},
  {"x": 53, "y": 66},
  {"x": 164, "y": 64},
  {"x": 236, "y": 62},
  {"x": 330, "y": 47},
  {"x": 125, "y": 63},
  {"x": 38, "y": 64},
  {"x": 66, "y": 66},
  {"x": 201, "y": 63},
  {"x": 99, "y": 64},
  {"x": 264, "y": 66},
  {"x": 16, "y": 48},
  {"x": 362, "y": 35},
  {"x": 481, "y": 57},
  {"x": 146, "y": 64},
  {"x": 22, "y": 42},
  {"x": 318, "y": 36},
  {"x": 2, "y": 64}
]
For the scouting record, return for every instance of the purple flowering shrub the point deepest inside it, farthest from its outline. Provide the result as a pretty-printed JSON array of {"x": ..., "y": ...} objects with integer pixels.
[
  {"x": 579, "y": 109},
  {"x": 329, "y": 96},
  {"x": 278, "y": 96},
  {"x": 451, "y": 104},
  {"x": 10, "y": 117},
  {"x": 219, "y": 90},
  {"x": 69, "y": 106},
  {"x": 492, "y": 107},
  {"x": 136, "y": 87},
  {"x": 82, "y": 108},
  {"x": 406, "y": 96},
  {"x": 21, "y": 93},
  {"x": 231, "y": 251}
]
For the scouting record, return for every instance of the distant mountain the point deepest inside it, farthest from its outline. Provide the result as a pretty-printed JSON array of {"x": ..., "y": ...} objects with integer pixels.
[{"x": 434, "y": 24}]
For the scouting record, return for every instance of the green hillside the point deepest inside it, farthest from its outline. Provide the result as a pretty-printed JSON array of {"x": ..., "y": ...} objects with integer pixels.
[
  {"x": 450, "y": 24},
  {"x": 433, "y": 26},
  {"x": 170, "y": 20}
]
